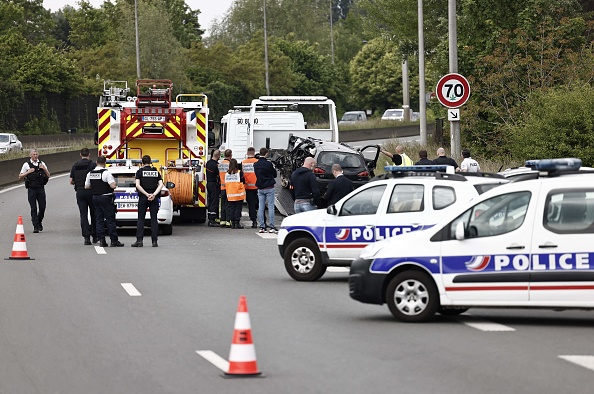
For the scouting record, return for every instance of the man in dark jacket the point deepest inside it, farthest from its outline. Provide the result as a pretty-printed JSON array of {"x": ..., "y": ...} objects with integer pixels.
[
  {"x": 84, "y": 197},
  {"x": 443, "y": 159},
  {"x": 265, "y": 180},
  {"x": 305, "y": 187},
  {"x": 424, "y": 161},
  {"x": 339, "y": 187},
  {"x": 213, "y": 188}
]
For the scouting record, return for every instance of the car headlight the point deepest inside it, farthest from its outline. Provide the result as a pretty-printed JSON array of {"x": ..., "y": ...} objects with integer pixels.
[{"x": 371, "y": 250}]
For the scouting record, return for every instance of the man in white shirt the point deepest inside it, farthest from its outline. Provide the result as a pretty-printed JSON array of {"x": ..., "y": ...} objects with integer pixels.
[
  {"x": 36, "y": 175},
  {"x": 468, "y": 163}
]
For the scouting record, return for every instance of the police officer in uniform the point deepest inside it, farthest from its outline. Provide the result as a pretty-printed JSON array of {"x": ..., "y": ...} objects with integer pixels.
[
  {"x": 213, "y": 192},
  {"x": 84, "y": 197},
  {"x": 102, "y": 183},
  {"x": 148, "y": 184},
  {"x": 36, "y": 175}
]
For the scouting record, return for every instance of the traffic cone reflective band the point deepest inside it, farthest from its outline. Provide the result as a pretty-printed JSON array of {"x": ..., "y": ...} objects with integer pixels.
[
  {"x": 242, "y": 357},
  {"x": 19, "y": 247}
]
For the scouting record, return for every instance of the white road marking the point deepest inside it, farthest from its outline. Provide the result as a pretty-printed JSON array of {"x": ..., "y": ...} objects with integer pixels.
[
  {"x": 130, "y": 289},
  {"x": 268, "y": 235},
  {"x": 483, "y": 325},
  {"x": 100, "y": 250},
  {"x": 214, "y": 359},
  {"x": 338, "y": 269},
  {"x": 582, "y": 361}
]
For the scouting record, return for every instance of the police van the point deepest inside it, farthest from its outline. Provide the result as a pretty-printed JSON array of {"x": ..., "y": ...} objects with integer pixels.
[
  {"x": 527, "y": 244},
  {"x": 406, "y": 199},
  {"x": 126, "y": 196}
]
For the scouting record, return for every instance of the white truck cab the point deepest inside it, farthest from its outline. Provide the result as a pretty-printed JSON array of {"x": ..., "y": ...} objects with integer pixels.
[{"x": 269, "y": 121}]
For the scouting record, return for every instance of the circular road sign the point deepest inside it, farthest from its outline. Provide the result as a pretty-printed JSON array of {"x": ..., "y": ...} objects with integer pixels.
[{"x": 453, "y": 90}]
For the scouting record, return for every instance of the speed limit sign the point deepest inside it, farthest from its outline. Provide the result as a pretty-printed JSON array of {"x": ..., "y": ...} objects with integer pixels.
[{"x": 453, "y": 90}]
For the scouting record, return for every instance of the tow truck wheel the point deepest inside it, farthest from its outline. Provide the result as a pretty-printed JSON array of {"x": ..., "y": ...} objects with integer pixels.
[
  {"x": 412, "y": 297},
  {"x": 303, "y": 260},
  {"x": 167, "y": 229}
]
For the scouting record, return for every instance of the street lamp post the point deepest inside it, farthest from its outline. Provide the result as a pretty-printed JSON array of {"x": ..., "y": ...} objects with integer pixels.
[
  {"x": 266, "y": 52},
  {"x": 137, "y": 41},
  {"x": 422, "y": 102},
  {"x": 331, "y": 34}
]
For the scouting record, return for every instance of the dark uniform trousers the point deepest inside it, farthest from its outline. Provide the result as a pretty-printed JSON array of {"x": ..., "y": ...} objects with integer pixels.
[
  {"x": 153, "y": 206},
  {"x": 36, "y": 195},
  {"x": 213, "y": 191},
  {"x": 251, "y": 197},
  {"x": 223, "y": 206},
  {"x": 105, "y": 211},
  {"x": 84, "y": 200}
]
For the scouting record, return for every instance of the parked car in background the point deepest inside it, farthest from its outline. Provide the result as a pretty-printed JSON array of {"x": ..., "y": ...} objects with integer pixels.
[
  {"x": 352, "y": 117},
  {"x": 9, "y": 142},
  {"x": 394, "y": 114}
]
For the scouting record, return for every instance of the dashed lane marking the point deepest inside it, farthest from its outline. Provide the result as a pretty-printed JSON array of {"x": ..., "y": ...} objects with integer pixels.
[
  {"x": 100, "y": 250},
  {"x": 483, "y": 325},
  {"x": 582, "y": 361},
  {"x": 214, "y": 359},
  {"x": 131, "y": 290},
  {"x": 338, "y": 269},
  {"x": 267, "y": 235}
]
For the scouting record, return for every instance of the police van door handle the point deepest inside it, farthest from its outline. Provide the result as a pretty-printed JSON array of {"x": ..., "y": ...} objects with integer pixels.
[
  {"x": 515, "y": 246},
  {"x": 547, "y": 245}
]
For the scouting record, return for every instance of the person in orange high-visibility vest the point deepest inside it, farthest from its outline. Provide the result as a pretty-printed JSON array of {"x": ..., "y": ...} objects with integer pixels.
[
  {"x": 251, "y": 191},
  {"x": 223, "y": 168},
  {"x": 234, "y": 183}
]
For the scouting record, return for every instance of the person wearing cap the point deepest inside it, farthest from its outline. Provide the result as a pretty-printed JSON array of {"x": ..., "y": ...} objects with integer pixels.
[
  {"x": 102, "y": 184},
  {"x": 148, "y": 184}
]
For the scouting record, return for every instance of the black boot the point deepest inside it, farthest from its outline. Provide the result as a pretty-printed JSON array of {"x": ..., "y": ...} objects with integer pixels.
[
  {"x": 233, "y": 225},
  {"x": 238, "y": 225},
  {"x": 87, "y": 240},
  {"x": 212, "y": 223},
  {"x": 254, "y": 224},
  {"x": 103, "y": 243}
]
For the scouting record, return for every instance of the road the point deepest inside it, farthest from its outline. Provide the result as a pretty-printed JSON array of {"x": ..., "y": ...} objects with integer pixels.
[{"x": 72, "y": 322}]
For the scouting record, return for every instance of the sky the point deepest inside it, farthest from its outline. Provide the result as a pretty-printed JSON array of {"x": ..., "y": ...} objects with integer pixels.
[{"x": 209, "y": 9}]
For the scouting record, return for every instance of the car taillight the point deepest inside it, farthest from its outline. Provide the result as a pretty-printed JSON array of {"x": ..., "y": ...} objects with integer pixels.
[
  {"x": 363, "y": 174},
  {"x": 318, "y": 170},
  {"x": 164, "y": 193}
]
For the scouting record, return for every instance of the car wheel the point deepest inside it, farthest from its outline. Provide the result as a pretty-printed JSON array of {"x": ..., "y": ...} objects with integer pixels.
[
  {"x": 167, "y": 229},
  {"x": 452, "y": 311},
  {"x": 412, "y": 297},
  {"x": 303, "y": 260}
]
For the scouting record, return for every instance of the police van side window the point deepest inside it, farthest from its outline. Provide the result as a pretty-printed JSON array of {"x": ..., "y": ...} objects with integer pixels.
[
  {"x": 365, "y": 202},
  {"x": 406, "y": 198},
  {"x": 443, "y": 196},
  {"x": 569, "y": 211},
  {"x": 495, "y": 216}
]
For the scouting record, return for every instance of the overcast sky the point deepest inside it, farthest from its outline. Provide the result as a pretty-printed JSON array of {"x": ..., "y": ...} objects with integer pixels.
[{"x": 209, "y": 9}]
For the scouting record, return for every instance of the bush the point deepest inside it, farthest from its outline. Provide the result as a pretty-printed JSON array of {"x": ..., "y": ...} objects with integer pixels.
[{"x": 557, "y": 123}]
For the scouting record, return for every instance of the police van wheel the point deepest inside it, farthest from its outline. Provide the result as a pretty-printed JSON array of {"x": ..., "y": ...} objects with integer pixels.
[
  {"x": 167, "y": 229},
  {"x": 412, "y": 297},
  {"x": 303, "y": 260}
]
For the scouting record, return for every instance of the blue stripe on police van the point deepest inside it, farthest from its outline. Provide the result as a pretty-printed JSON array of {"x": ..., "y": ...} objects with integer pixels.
[{"x": 385, "y": 265}]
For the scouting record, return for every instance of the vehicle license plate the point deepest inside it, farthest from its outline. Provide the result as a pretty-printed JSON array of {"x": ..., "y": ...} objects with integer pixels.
[
  {"x": 127, "y": 205},
  {"x": 153, "y": 119}
]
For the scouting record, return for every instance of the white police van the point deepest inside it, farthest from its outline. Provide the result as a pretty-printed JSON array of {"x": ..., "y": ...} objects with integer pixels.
[
  {"x": 527, "y": 244},
  {"x": 406, "y": 199},
  {"x": 126, "y": 196}
]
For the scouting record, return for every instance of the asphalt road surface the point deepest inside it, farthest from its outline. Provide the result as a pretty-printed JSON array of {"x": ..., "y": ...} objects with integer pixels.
[{"x": 80, "y": 319}]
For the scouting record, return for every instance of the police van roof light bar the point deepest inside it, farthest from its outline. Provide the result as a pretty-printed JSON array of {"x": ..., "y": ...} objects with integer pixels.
[
  {"x": 419, "y": 168},
  {"x": 564, "y": 164}
]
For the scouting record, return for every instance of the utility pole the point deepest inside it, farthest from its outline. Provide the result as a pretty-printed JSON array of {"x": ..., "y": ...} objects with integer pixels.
[
  {"x": 455, "y": 145},
  {"x": 422, "y": 101},
  {"x": 405, "y": 90},
  {"x": 331, "y": 34},
  {"x": 137, "y": 41},
  {"x": 266, "y": 52}
]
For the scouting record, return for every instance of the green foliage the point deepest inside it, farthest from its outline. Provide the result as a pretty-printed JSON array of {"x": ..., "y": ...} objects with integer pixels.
[
  {"x": 45, "y": 124},
  {"x": 556, "y": 123}
]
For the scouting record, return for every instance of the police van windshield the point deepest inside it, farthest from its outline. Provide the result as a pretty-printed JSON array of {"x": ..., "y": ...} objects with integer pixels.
[{"x": 125, "y": 180}]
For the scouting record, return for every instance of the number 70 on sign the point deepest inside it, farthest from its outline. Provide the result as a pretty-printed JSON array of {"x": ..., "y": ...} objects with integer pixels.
[{"x": 452, "y": 90}]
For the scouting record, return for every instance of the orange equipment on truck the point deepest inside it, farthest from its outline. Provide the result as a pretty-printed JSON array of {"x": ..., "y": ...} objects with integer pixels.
[{"x": 175, "y": 133}]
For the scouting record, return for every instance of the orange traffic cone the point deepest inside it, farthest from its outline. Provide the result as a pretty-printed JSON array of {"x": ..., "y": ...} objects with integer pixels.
[
  {"x": 242, "y": 356},
  {"x": 19, "y": 247}
]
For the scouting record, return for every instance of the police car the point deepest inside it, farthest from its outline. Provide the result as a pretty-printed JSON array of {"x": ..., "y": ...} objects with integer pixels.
[
  {"x": 527, "y": 244},
  {"x": 406, "y": 199},
  {"x": 126, "y": 197}
]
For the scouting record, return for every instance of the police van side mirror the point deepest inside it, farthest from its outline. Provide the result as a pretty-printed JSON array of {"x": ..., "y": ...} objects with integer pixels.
[
  {"x": 460, "y": 231},
  {"x": 331, "y": 210},
  {"x": 170, "y": 185}
]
